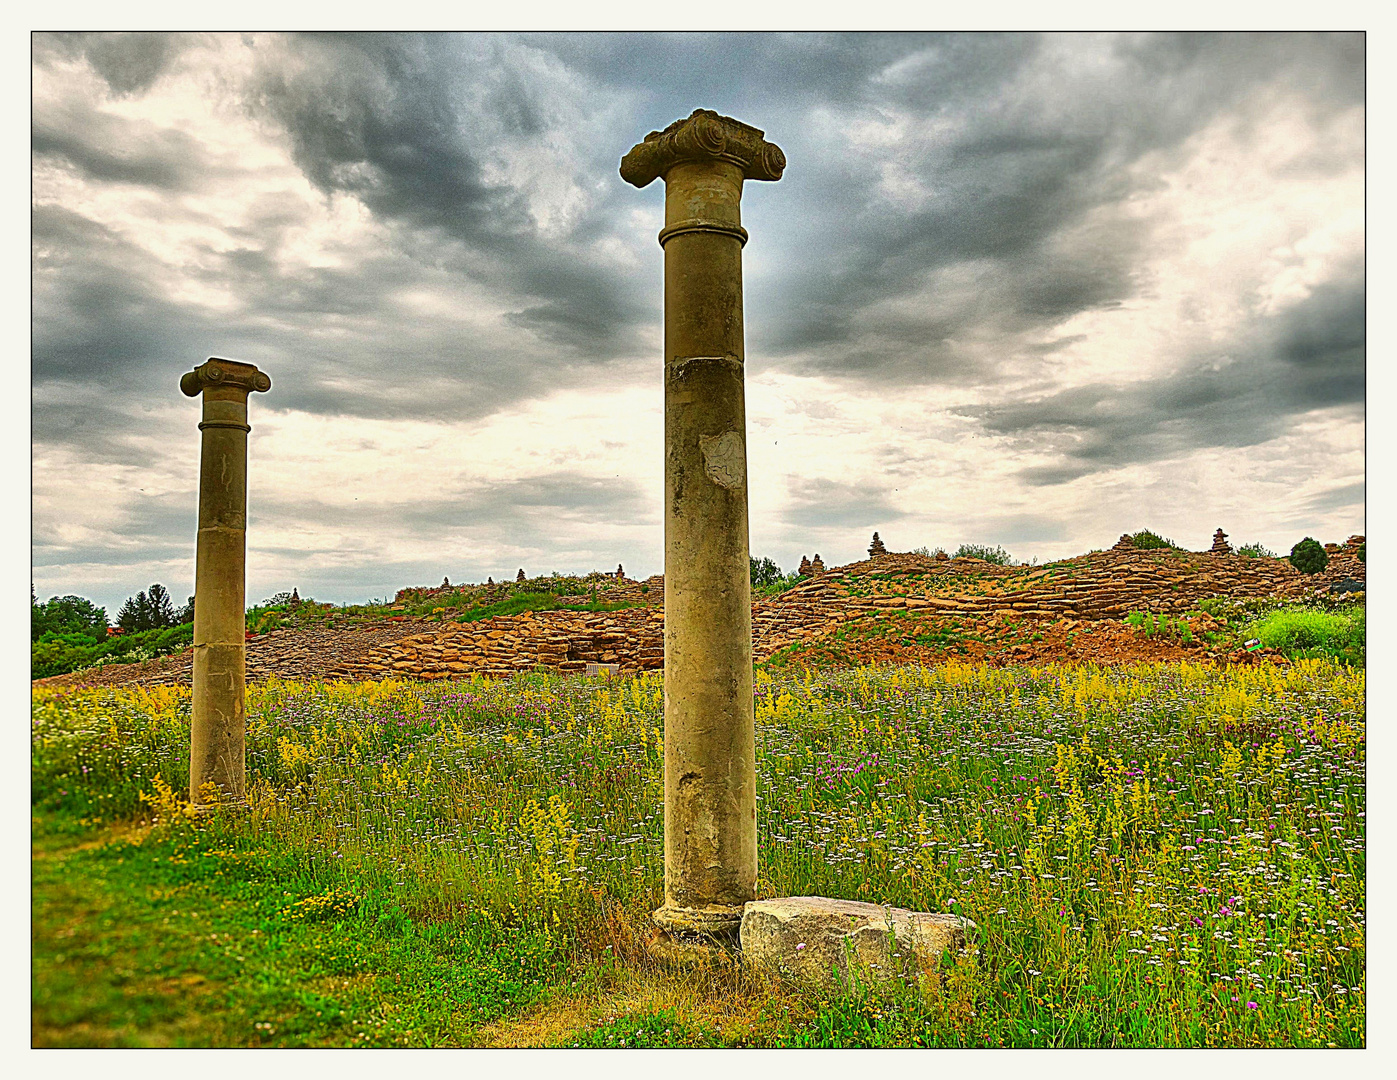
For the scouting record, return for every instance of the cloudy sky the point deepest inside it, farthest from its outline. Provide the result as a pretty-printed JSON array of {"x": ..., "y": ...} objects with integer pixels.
[{"x": 1013, "y": 289}]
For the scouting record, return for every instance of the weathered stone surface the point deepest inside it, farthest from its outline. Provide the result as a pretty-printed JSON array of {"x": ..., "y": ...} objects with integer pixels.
[
  {"x": 710, "y": 737},
  {"x": 821, "y": 941},
  {"x": 217, "y": 760}
]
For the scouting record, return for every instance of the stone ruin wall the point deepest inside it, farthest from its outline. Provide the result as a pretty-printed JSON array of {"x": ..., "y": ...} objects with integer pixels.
[{"x": 1101, "y": 585}]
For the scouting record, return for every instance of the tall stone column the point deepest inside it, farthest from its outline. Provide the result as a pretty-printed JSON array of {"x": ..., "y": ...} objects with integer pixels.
[
  {"x": 216, "y": 753},
  {"x": 710, "y": 752}
]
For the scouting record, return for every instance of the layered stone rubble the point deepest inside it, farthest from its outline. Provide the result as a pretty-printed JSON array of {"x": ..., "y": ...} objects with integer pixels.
[{"x": 1100, "y": 586}]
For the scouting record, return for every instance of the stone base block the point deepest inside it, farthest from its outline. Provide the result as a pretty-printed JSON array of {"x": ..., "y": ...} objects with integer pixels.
[
  {"x": 697, "y": 937},
  {"x": 826, "y": 942},
  {"x": 716, "y": 921},
  {"x": 690, "y": 953}
]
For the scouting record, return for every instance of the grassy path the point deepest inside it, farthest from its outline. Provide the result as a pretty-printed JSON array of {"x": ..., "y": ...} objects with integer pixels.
[
  {"x": 144, "y": 941},
  {"x": 149, "y": 941}
]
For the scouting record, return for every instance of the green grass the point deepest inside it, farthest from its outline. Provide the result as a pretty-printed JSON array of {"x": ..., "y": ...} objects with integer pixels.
[
  {"x": 474, "y": 863},
  {"x": 193, "y": 937},
  {"x": 582, "y": 592},
  {"x": 515, "y": 605},
  {"x": 1152, "y": 625}
]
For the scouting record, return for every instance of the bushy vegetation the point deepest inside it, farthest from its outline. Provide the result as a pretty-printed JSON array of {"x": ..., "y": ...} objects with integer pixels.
[
  {"x": 1147, "y": 540},
  {"x": 1256, "y": 551},
  {"x": 1308, "y": 633},
  {"x": 1309, "y": 556},
  {"x": 767, "y": 579},
  {"x": 1161, "y": 855},
  {"x": 69, "y": 633},
  {"x": 58, "y": 654},
  {"x": 763, "y": 571},
  {"x": 996, "y": 554}
]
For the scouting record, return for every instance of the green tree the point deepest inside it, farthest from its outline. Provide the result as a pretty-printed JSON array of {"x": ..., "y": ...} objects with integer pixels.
[
  {"x": 162, "y": 609},
  {"x": 1309, "y": 556},
  {"x": 148, "y": 611},
  {"x": 763, "y": 571},
  {"x": 66, "y": 615}
]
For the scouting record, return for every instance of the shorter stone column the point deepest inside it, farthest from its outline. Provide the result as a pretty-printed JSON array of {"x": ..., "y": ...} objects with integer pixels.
[{"x": 217, "y": 759}]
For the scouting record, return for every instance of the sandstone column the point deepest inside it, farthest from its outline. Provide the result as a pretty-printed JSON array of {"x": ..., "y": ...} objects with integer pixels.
[
  {"x": 217, "y": 765},
  {"x": 710, "y": 754}
]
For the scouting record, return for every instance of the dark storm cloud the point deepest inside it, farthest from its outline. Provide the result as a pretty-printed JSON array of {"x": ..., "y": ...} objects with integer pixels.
[
  {"x": 108, "y": 148},
  {"x": 373, "y": 116},
  {"x": 130, "y": 63},
  {"x": 1022, "y": 179},
  {"x": 154, "y": 528},
  {"x": 819, "y": 503},
  {"x": 387, "y": 119},
  {"x": 1309, "y": 356},
  {"x": 1335, "y": 498},
  {"x": 1019, "y": 158},
  {"x": 106, "y": 328},
  {"x": 518, "y": 511},
  {"x": 381, "y": 117}
]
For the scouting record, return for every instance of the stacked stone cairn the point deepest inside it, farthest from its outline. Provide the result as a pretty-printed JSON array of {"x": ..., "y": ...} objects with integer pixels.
[
  {"x": 1220, "y": 544},
  {"x": 876, "y": 548}
]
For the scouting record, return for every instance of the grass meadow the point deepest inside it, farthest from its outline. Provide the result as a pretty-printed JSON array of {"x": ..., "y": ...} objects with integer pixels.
[{"x": 1162, "y": 855}]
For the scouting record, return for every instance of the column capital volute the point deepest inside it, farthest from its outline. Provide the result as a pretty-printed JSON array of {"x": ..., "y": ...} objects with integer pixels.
[
  {"x": 703, "y": 136},
  {"x": 227, "y": 374}
]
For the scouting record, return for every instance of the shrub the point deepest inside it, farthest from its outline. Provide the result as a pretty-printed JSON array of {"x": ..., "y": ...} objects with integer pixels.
[
  {"x": 780, "y": 585},
  {"x": 58, "y": 654},
  {"x": 1146, "y": 539},
  {"x": 1302, "y": 633},
  {"x": 1362, "y": 552},
  {"x": 1152, "y": 625},
  {"x": 996, "y": 554},
  {"x": 1309, "y": 556},
  {"x": 1256, "y": 551}
]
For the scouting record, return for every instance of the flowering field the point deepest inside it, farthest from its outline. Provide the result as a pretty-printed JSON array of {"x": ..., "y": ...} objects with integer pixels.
[{"x": 1158, "y": 855}]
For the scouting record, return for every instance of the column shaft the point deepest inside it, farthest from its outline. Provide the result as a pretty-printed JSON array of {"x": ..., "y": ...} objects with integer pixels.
[
  {"x": 710, "y": 738},
  {"x": 710, "y": 754},
  {"x": 217, "y": 753},
  {"x": 217, "y": 756}
]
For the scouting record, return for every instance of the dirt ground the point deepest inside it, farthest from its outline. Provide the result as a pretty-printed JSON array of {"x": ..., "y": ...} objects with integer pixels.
[{"x": 908, "y": 638}]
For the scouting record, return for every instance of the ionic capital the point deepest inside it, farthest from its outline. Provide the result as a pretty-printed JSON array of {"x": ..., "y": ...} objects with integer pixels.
[
  {"x": 704, "y": 136},
  {"x": 230, "y": 374}
]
